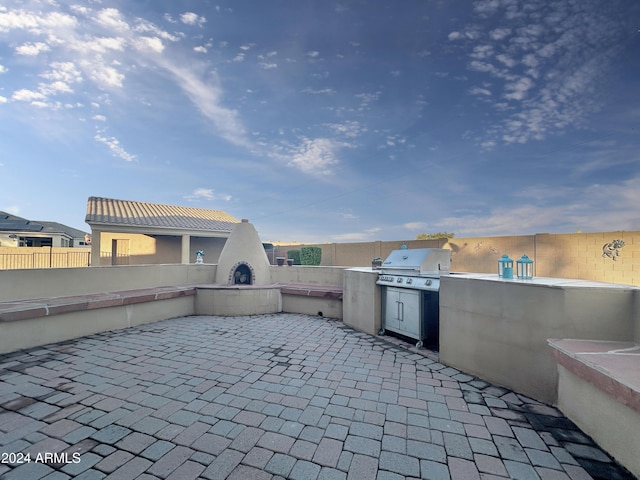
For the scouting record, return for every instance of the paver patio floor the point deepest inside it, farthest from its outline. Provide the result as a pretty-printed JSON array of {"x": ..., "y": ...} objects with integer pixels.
[{"x": 269, "y": 397}]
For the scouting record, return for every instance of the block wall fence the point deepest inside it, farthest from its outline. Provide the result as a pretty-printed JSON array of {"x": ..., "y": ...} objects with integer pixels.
[{"x": 584, "y": 256}]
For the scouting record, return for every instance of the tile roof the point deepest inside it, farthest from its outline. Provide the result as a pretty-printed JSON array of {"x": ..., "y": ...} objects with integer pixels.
[{"x": 109, "y": 211}]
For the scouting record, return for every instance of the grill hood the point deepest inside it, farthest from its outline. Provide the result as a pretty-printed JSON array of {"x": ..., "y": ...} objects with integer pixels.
[{"x": 418, "y": 261}]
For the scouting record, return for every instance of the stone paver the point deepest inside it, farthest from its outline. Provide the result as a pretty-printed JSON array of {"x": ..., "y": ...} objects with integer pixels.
[{"x": 271, "y": 397}]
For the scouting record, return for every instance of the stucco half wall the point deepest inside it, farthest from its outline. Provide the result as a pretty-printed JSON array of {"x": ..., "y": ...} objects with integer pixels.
[{"x": 498, "y": 329}]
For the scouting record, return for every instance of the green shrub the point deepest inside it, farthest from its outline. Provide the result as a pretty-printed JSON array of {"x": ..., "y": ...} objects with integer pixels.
[
  {"x": 295, "y": 255},
  {"x": 310, "y": 255}
]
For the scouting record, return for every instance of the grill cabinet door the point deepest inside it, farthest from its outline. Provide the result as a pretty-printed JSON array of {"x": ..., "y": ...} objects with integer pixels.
[{"x": 402, "y": 312}]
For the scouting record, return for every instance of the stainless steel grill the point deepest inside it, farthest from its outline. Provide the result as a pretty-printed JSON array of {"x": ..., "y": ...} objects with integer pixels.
[{"x": 410, "y": 295}]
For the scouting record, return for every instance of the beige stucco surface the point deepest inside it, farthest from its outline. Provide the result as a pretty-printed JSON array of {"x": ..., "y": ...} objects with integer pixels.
[
  {"x": 636, "y": 316},
  {"x": 243, "y": 245},
  {"x": 312, "y": 305},
  {"x": 41, "y": 331},
  {"x": 611, "y": 424},
  {"x": 361, "y": 300},
  {"x": 237, "y": 301},
  {"x": 53, "y": 282},
  {"x": 498, "y": 329},
  {"x": 306, "y": 274}
]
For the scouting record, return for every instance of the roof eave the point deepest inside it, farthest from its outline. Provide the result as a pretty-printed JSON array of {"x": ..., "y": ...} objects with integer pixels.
[{"x": 156, "y": 230}]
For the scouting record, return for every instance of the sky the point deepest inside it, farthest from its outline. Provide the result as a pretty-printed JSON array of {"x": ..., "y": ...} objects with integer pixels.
[{"x": 325, "y": 121}]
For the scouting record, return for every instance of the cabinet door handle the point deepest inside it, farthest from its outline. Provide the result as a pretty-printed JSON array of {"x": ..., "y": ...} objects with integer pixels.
[{"x": 401, "y": 311}]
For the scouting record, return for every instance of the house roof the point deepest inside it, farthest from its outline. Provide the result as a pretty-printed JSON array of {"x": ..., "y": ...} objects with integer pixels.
[
  {"x": 55, "y": 227},
  {"x": 128, "y": 213},
  {"x": 13, "y": 223}
]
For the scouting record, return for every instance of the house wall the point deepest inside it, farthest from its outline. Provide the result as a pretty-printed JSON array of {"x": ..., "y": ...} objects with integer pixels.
[
  {"x": 145, "y": 249},
  {"x": 50, "y": 239},
  {"x": 576, "y": 255}
]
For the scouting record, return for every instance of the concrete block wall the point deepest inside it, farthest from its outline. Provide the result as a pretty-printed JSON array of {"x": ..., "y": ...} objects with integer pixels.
[
  {"x": 481, "y": 254},
  {"x": 575, "y": 255}
]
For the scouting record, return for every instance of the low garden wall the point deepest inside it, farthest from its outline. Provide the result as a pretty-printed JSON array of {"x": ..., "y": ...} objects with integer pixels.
[
  {"x": 40, "y": 306},
  {"x": 498, "y": 329}
]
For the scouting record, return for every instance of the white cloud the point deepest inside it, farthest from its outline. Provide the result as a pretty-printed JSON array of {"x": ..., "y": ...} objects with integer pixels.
[
  {"x": 200, "y": 49},
  {"x": 207, "y": 194},
  {"x": 100, "y": 48},
  {"x": 546, "y": 72},
  {"x": 35, "y": 24},
  {"x": 32, "y": 49},
  {"x": 323, "y": 91},
  {"x": 150, "y": 44},
  {"x": 366, "y": 99},
  {"x": 116, "y": 149},
  {"x": 348, "y": 129},
  {"x": 500, "y": 33},
  {"x": 103, "y": 75},
  {"x": 206, "y": 96},
  {"x": 596, "y": 208},
  {"x": 480, "y": 91},
  {"x": 316, "y": 156},
  {"x": 416, "y": 226},
  {"x": 111, "y": 19},
  {"x": 63, "y": 72},
  {"x": 3, "y": 99},
  {"x": 190, "y": 18},
  {"x": 24, "y": 95},
  {"x": 518, "y": 90},
  {"x": 368, "y": 234},
  {"x": 268, "y": 66}
]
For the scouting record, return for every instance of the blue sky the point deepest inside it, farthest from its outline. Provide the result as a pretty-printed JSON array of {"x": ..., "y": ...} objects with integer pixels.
[{"x": 324, "y": 121}]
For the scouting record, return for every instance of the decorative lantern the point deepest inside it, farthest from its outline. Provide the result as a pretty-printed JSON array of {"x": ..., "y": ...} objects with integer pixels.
[
  {"x": 525, "y": 268},
  {"x": 505, "y": 267},
  {"x": 199, "y": 257}
]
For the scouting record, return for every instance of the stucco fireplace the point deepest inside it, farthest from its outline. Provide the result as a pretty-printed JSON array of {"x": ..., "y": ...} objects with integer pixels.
[
  {"x": 243, "y": 260},
  {"x": 243, "y": 279}
]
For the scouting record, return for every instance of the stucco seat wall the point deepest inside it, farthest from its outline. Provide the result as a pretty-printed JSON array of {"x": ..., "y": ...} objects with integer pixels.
[
  {"x": 599, "y": 390},
  {"x": 35, "y": 322}
]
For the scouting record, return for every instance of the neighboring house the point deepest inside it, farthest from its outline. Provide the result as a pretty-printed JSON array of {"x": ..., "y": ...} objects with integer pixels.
[
  {"x": 19, "y": 232},
  {"x": 126, "y": 232}
]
